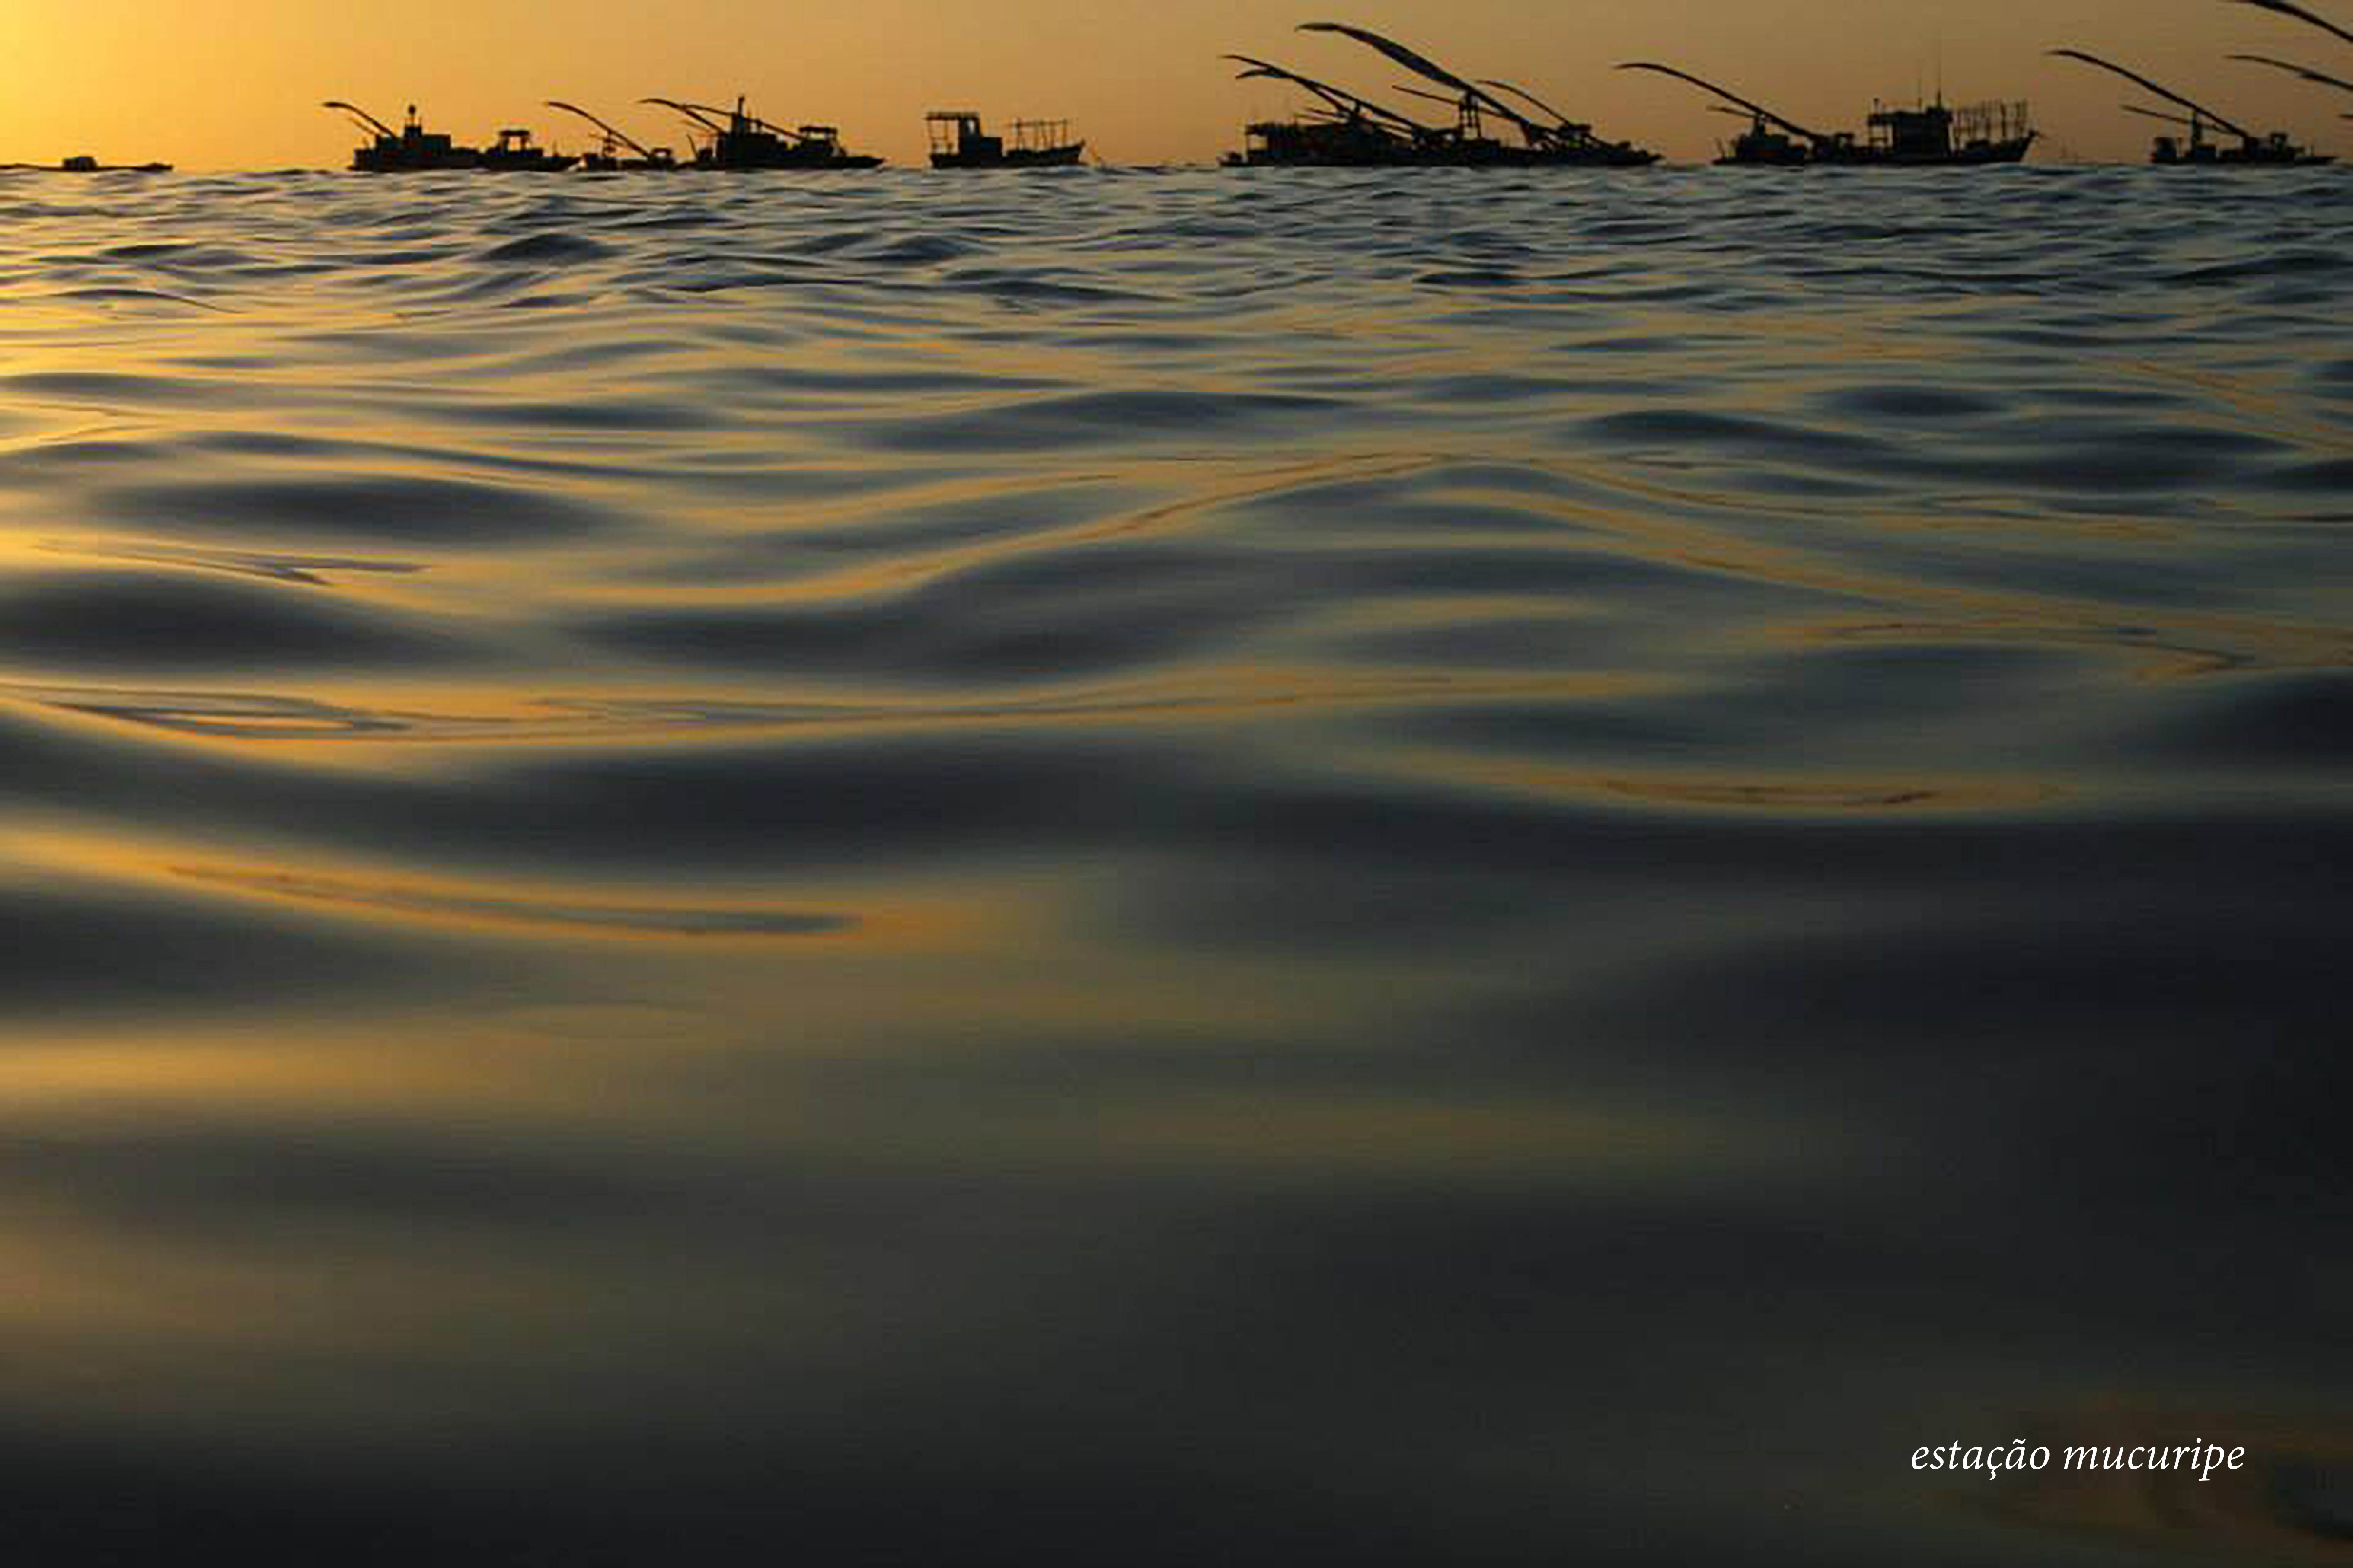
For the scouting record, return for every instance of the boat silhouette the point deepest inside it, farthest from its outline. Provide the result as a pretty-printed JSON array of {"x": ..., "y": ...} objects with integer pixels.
[
  {"x": 1347, "y": 128},
  {"x": 515, "y": 152},
  {"x": 413, "y": 148},
  {"x": 406, "y": 150},
  {"x": 1930, "y": 135},
  {"x": 736, "y": 139},
  {"x": 83, "y": 163},
  {"x": 2272, "y": 149},
  {"x": 959, "y": 141},
  {"x": 609, "y": 157}
]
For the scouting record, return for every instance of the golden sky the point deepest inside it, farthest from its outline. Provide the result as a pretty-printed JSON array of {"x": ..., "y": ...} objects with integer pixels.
[{"x": 211, "y": 84}]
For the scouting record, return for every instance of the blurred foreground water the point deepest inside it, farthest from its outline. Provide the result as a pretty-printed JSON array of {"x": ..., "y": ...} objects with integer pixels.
[{"x": 1132, "y": 867}]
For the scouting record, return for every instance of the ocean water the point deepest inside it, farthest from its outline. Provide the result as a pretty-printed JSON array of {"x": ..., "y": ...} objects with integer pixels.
[{"x": 1180, "y": 866}]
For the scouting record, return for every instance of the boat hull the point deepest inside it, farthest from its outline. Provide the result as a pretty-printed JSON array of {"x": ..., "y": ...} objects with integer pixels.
[
  {"x": 1013, "y": 158},
  {"x": 1977, "y": 155}
]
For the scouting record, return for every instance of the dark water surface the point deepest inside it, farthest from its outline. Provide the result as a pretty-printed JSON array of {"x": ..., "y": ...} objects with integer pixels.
[{"x": 1176, "y": 869}]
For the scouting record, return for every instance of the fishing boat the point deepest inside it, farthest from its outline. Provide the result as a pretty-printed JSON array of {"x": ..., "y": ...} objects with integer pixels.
[
  {"x": 618, "y": 153},
  {"x": 1346, "y": 132},
  {"x": 2251, "y": 150},
  {"x": 82, "y": 164},
  {"x": 736, "y": 139},
  {"x": 1930, "y": 135},
  {"x": 409, "y": 149},
  {"x": 515, "y": 152},
  {"x": 960, "y": 142},
  {"x": 1347, "y": 128}
]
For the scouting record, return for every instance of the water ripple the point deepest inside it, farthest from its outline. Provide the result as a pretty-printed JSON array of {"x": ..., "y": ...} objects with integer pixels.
[{"x": 1424, "y": 866}]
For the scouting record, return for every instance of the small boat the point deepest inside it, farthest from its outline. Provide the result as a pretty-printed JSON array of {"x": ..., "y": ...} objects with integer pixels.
[
  {"x": 738, "y": 139},
  {"x": 515, "y": 152},
  {"x": 2273, "y": 149},
  {"x": 1930, "y": 135},
  {"x": 609, "y": 157},
  {"x": 406, "y": 151},
  {"x": 959, "y": 141},
  {"x": 82, "y": 164}
]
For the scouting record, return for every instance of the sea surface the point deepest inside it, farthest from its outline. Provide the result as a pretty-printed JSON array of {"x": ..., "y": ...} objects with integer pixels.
[{"x": 1174, "y": 867}]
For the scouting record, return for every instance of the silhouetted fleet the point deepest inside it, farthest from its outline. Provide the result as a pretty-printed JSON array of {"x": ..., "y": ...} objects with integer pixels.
[
  {"x": 1347, "y": 131},
  {"x": 1491, "y": 123}
]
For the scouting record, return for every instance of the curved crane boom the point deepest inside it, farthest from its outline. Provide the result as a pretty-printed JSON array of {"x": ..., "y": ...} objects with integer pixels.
[
  {"x": 620, "y": 136},
  {"x": 2156, "y": 115},
  {"x": 1424, "y": 92},
  {"x": 1759, "y": 110},
  {"x": 1525, "y": 96},
  {"x": 754, "y": 121},
  {"x": 2170, "y": 96},
  {"x": 2304, "y": 71},
  {"x": 2285, "y": 8},
  {"x": 691, "y": 112},
  {"x": 1422, "y": 66},
  {"x": 366, "y": 119},
  {"x": 722, "y": 122},
  {"x": 1347, "y": 103},
  {"x": 790, "y": 133}
]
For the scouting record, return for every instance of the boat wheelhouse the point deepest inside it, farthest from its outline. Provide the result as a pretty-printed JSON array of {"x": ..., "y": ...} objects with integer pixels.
[{"x": 959, "y": 140}]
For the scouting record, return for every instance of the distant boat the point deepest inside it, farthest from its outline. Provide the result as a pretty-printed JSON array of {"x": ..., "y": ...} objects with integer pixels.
[
  {"x": 515, "y": 152},
  {"x": 408, "y": 149},
  {"x": 2250, "y": 150},
  {"x": 738, "y": 139},
  {"x": 609, "y": 158},
  {"x": 1348, "y": 130},
  {"x": 1933, "y": 135},
  {"x": 958, "y": 142},
  {"x": 413, "y": 148},
  {"x": 82, "y": 164}
]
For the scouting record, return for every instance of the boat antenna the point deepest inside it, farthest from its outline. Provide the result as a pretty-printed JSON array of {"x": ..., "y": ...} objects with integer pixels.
[
  {"x": 2287, "y": 9},
  {"x": 1757, "y": 110},
  {"x": 2166, "y": 94},
  {"x": 2306, "y": 72},
  {"x": 622, "y": 137},
  {"x": 361, "y": 115}
]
